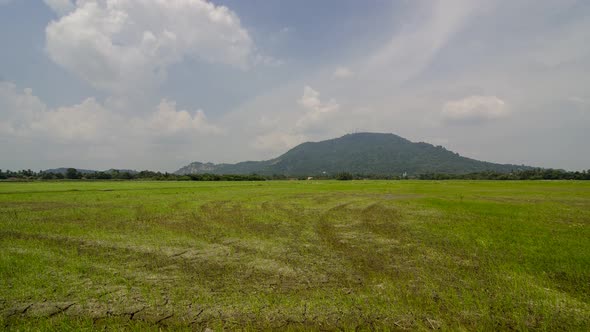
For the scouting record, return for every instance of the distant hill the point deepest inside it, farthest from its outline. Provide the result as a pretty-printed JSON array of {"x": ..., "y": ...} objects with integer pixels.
[
  {"x": 361, "y": 153},
  {"x": 63, "y": 170}
]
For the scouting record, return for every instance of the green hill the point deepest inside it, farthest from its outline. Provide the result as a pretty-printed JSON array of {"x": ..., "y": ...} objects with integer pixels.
[{"x": 362, "y": 153}]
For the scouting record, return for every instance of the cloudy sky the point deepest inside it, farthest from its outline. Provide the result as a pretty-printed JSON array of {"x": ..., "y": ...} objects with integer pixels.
[{"x": 156, "y": 84}]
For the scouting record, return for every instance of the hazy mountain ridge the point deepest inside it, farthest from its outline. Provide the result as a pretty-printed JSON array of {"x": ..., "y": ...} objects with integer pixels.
[
  {"x": 361, "y": 153},
  {"x": 64, "y": 170}
]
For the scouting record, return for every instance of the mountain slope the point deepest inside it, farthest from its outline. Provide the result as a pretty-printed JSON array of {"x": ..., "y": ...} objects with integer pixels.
[
  {"x": 64, "y": 170},
  {"x": 362, "y": 153}
]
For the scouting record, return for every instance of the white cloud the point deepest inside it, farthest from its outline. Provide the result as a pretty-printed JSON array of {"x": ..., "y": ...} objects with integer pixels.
[
  {"x": 121, "y": 45},
  {"x": 85, "y": 122},
  {"x": 579, "y": 104},
  {"x": 260, "y": 59},
  {"x": 6, "y": 129},
  {"x": 13, "y": 101},
  {"x": 578, "y": 100},
  {"x": 60, "y": 7},
  {"x": 474, "y": 109},
  {"x": 342, "y": 72},
  {"x": 278, "y": 141},
  {"x": 316, "y": 110},
  {"x": 443, "y": 50},
  {"x": 168, "y": 121},
  {"x": 276, "y": 133},
  {"x": 19, "y": 108},
  {"x": 26, "y": 116}
]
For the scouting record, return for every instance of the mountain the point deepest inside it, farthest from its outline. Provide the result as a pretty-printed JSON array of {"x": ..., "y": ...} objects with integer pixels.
[
  {"x": 63, "y": 170},
  {"x": 361, "y": 153}
]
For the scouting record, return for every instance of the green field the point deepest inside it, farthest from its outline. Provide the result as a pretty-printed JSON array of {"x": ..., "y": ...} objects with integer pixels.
[{"x": 325, "y": 255}]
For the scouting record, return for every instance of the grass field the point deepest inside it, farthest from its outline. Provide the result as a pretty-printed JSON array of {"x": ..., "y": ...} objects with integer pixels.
[{"x": 326, "y": 255}]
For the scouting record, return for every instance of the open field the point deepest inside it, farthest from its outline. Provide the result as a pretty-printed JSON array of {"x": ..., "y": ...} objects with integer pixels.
[{"x": 295, "y": 255}]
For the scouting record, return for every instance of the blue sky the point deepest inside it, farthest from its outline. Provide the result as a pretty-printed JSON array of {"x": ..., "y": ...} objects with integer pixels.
[{"x": 157, "y": 84}]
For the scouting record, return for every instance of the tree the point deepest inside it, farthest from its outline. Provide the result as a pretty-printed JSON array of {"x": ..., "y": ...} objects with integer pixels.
[
  {"x": 47, "y": 176},
  {"x": 102, "y": 176},
  {"x": 344, "y": 176},
  {"x": 124, "y": 176},
  {"x": 72, "y": 173}
]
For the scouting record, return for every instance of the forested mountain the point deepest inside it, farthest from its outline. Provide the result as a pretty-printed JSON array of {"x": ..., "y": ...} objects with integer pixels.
[{"x": 361, "y": 153}]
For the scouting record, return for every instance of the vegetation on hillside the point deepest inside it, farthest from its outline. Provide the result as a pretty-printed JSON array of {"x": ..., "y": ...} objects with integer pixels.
[{"x": 362, "y": 153}]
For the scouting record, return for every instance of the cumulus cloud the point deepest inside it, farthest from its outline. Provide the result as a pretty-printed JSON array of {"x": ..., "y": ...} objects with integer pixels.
[
  {"x": 278, "y": 134},
  {"x": 88, "y": 121},
  {"x": 168, "y": 121},
  {"x": 18, "y": 108},
  {"x": 474, "y": 109},
  {"x": 60, "y": 7},
  {"x": 316, "y": 110},
  {"x": 260, "y": 59},
  {"x": 120, "y": 45},
  {"x": 342, "y": 72},
  {"x": 13, "y": 101},
  {"x": 26, "y": 116}
]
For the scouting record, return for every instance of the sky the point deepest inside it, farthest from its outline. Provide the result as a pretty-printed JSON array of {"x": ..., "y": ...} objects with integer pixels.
[{"x": 157, "y": 84}]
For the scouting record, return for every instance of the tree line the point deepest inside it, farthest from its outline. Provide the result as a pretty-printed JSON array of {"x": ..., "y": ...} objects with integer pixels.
[
  {"x": 73, "y": 174},
  {"x": 533, "y": 174}
]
